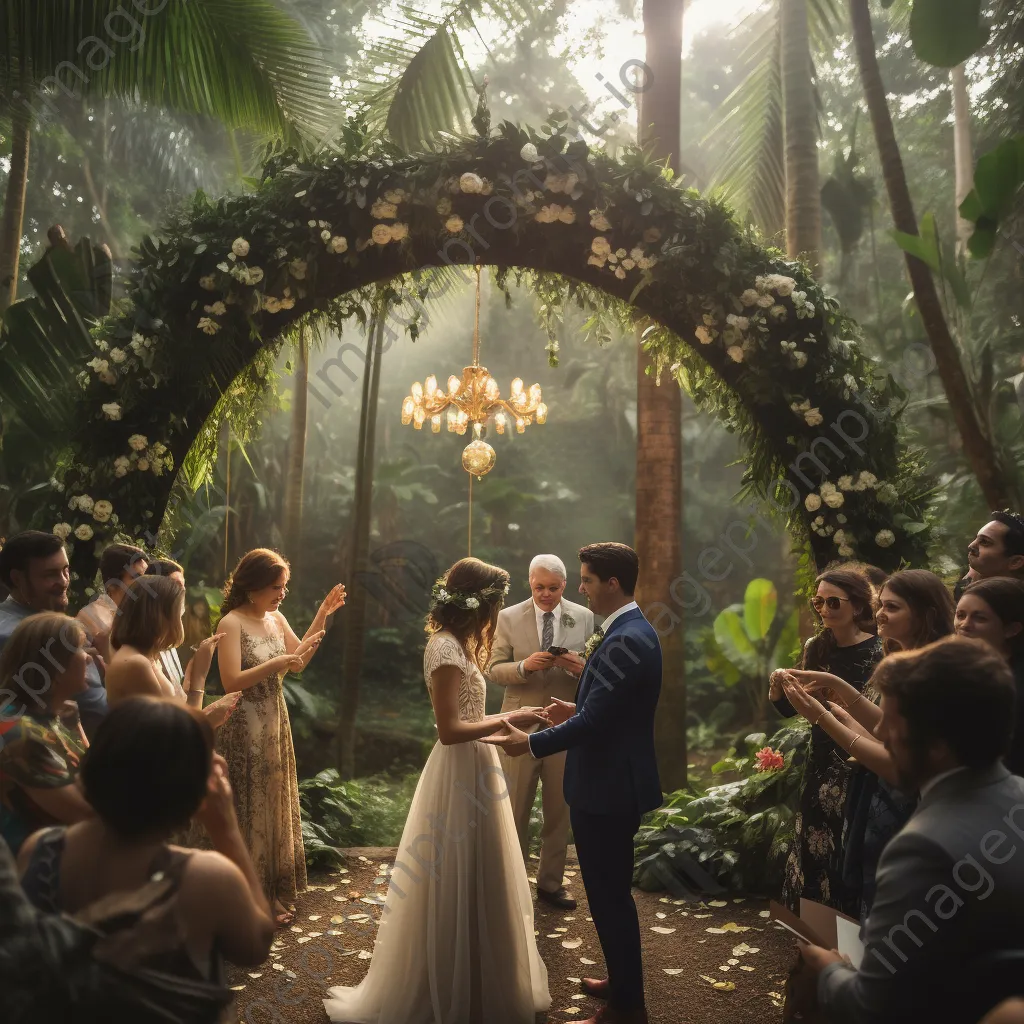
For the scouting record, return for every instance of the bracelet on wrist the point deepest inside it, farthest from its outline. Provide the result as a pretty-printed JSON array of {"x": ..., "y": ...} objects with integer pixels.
[
  {"x": 853, "y": 742},
  {"x": 860, "y": 696},
  {"x": 821, "y": 716}
]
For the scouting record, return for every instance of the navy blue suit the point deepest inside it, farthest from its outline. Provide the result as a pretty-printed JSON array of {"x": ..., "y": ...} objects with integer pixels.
[{"x": 611, "y": 780}]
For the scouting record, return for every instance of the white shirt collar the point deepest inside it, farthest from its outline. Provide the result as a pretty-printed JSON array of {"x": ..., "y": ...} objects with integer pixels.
[
  {"x": 628, "y": 607},
  {"x": 931, "y": 783}
]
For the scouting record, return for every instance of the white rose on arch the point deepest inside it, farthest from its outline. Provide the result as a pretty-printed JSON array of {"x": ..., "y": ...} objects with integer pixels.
[
  {"x": 454, "y": 224},
  {"x": 62, "y": 530},
  {"x": 885, "y": 538},
  {"x": 102, "y": 511},
  {"x": 529, "y": 153},
  {"x": 471, "y": 183},
  {"x": 240, "y": 247},
  {"x": 111, "y": 410},
  {"x": 833, "y": 499},
  {"x": 812, "y": 503},
  {"x": 84, "y": 532},
  {"x": 138, "y": 442},
  {"x": 381, "y": 234}
]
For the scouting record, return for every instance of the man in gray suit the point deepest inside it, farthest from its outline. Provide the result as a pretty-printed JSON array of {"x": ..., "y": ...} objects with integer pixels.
[
  {"x": 950, "y": 885},
  {"x": 533, "y": 677}
]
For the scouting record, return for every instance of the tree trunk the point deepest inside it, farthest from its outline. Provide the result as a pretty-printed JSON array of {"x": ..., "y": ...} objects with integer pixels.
[
  {"x": 359, "y": 549},
  {"x": 659, "y": 439},
  {"x": 14, "y": 206},
  {"x": 296, "y": 453},
  {"x": 803, "y": 190},
  {"x": 963, "y": 158},
  {"x": 981, "y": 456}
]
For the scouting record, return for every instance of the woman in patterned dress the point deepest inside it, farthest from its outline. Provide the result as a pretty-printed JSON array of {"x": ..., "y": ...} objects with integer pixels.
[
  {"x": 258, "y": 649},
  {"x": 847, "y": 647},
  {"x": 456, "y": 940},
  {"x": 914, "y": 610}
]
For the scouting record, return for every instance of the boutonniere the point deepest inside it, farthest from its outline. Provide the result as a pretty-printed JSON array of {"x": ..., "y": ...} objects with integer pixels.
[
  {"x": 568, "y": 622},
  {"x": 593, "y": 642}
]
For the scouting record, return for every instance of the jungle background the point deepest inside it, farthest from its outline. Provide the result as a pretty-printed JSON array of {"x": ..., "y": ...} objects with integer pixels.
[{"x": 110, "y": 168}]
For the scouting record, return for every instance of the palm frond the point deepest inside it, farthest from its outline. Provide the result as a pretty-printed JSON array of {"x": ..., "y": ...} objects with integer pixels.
[
  {"x": 752, "y": 174},
  {"x": 245, "y": 62},
  {"x": 416, "y": 81}
]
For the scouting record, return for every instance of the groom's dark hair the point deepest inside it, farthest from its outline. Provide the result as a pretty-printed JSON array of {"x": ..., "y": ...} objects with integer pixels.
[{"x": 611, "y": 559}]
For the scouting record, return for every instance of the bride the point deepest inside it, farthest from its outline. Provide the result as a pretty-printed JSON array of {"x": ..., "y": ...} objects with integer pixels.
[{"x": 456, "y": 942}]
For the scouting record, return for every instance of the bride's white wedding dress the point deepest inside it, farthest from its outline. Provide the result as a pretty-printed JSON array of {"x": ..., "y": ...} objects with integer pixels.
[{"x": 456, "y": 943}]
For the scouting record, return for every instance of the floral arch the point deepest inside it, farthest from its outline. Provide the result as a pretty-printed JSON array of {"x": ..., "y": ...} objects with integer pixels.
[{"x": 748, "y": 333}]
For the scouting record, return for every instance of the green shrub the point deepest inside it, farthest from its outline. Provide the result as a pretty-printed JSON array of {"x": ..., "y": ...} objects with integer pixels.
[{"x": 738, "y": 832}]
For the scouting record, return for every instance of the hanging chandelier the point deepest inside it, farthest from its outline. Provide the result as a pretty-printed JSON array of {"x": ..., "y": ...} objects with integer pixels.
[{"x": 471, "y": 402}]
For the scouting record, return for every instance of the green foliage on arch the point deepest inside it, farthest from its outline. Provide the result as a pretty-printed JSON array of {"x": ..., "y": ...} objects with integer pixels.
[{"x": 748, "y": 333}]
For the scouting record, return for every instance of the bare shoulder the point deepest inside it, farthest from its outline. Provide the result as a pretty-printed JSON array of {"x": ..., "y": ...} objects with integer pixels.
[
  {"x": 209, "y": 871},
  {"x": 229, "y": 623}
]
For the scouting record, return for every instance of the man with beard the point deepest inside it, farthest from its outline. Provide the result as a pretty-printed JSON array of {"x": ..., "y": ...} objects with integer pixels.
[
  {"x": 34, "y": 568},
  {"x": 997, "y": 550},
  {"x": 947, "y": 716}
]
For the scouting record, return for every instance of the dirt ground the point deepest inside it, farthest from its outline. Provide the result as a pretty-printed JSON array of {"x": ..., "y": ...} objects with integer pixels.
[{"x": 728, "y": 943}]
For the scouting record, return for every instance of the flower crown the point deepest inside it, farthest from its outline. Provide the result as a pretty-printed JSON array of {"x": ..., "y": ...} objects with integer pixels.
[{"x": 440, "y": 595}]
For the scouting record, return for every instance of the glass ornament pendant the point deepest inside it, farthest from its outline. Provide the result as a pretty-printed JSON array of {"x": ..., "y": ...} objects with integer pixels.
[{"x": 478, "y": 458}]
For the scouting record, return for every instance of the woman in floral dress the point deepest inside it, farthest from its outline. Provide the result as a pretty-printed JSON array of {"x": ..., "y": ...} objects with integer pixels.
[
  {"x": 258, "y": 649},
  {"x": 846, "y": 647}
]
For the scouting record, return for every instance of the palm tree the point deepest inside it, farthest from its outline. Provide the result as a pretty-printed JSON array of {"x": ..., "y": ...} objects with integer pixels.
[
  {"x": 963, "y": 159},
  {"x": 359, "y": 547},
  {"x": 244, "y": 62},
  {"x": 770, "y": 168},
  {"x": 295, "y": 470},
  {"x": 978, "y": 446},
  {"x": 659, "y": 426}
]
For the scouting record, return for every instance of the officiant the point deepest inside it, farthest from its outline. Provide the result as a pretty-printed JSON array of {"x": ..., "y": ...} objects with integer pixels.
[{"x": 536, "y": 656}]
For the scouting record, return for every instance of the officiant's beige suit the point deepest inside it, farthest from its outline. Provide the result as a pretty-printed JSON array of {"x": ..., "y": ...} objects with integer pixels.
[{"x": 516, "y": 638}]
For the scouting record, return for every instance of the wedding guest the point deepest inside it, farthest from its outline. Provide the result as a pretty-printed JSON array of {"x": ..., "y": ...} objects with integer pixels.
[
  {"x": 34, "y": 568},
  {"x": 149, "y": 623},
  {"x": 119, "y": 565},
  {"x": 169, "y": 659},
  {"x": 258, "y": 649},
  {"x": 149, "y": 770},
  {"x": 914, "y": 610},
  {"x": 993, "y": 610},
  {"x": 41, "y": 741},
  {"x": 949, "y": 888},
  {"x": 533, "y": 678},
  {"x": 846, "y": 646},
  {"x": 997, "y": 550}
]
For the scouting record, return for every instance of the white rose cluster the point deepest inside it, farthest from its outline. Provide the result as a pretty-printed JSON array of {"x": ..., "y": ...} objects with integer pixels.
[
  {"x": 811, "y": 415},
  {"x": 553, "y": 212},
  {"x": 564, "y": 183}
]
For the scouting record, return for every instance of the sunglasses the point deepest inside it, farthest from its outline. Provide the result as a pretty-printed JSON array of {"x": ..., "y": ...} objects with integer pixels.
[{"x": 832, "y": 603}]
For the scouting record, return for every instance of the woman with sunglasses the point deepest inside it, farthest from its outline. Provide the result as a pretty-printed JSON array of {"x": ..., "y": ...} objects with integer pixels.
[
  {"x": 914, "y": 609},
  {"x": 992, "y": 610},
  {"x": 846, "y": 647}
]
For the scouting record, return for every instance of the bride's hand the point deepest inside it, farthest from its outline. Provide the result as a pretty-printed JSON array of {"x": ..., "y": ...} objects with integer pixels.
[
  {"x": 220, "y": 711},
  {"x": 527, "y": 716}
]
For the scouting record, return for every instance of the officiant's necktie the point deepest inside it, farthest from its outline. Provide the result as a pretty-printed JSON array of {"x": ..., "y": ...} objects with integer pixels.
[{"x": 547, "y": 638}]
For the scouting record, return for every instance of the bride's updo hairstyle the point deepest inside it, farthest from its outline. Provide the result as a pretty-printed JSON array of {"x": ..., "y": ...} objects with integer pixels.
[{"x": 466, "y": 602}]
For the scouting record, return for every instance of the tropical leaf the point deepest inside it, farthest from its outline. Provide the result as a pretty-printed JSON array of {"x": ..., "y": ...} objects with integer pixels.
[
  {"x": 947, "y": 32},
  {"x": 752, "y": 174},
  {"x": 759, "y": 604},
  {"x": 788, "y": 642},
  {"x": 417, "y": 82},
  {"x": 244, "y": 62},
  {"x": 734, "y": 642}
]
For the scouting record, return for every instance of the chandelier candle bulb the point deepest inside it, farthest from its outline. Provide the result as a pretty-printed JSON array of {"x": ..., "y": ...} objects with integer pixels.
[
  {"x": 517, "y": 387},
  {"x": 430, "y": 386},
  {"x": 542, "y": 414},
  {"x": 520, "y": 425},
  {"x": 418, "y": 416},
  {"x": 534, "y": 394},
  {"x": 417, "y": 392},
  {"x": 435, "y": 423},
  {"x": 407, "y": 408},
  {"x": 453, "y": 385}
]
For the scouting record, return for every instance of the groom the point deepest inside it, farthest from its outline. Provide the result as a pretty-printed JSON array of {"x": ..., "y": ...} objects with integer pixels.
[{"x": 611, "y": 775}]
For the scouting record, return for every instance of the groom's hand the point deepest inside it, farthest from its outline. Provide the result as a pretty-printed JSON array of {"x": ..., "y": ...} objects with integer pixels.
[
  {"x": 513, "y": 740},
  {"x": 538, "y": 662},
  {"x": 560, "y": 711}
]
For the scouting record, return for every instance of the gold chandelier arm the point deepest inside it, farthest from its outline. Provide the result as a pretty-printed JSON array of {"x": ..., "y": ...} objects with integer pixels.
[{"x": 476, "y": 321}]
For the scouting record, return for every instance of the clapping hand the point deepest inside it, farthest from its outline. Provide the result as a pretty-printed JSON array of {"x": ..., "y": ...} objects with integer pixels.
[
  {"x": 203, "y": 657},
  {"x": 220, "y": 710},
  {"x": 804, "y": 703},
  {"x": 333, "y": 601},
  {"x": 310, "y": 644},
  {"x": 217, "y": 812}
]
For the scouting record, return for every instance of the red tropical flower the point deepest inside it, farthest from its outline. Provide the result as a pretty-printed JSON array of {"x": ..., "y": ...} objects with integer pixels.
[{"x": 768, "y": 760}]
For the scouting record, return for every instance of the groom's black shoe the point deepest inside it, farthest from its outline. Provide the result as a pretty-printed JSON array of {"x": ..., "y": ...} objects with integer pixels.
[
  {"x": 598, "y": 988},
  {"x": 560, "y": 899}
]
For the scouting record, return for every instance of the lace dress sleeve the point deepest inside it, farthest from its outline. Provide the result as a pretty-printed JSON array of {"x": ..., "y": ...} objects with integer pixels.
[{"x": 442, "y": 649}]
